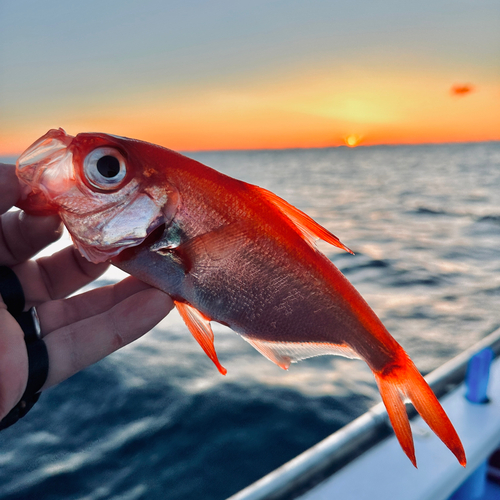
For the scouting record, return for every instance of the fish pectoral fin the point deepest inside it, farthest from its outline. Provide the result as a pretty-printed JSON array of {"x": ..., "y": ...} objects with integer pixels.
[
  {"x": 309, "y": 228},
  {"x": 199, "y": 326},
  {"x": 285, "y": 353},
  {"x": 213, "y": 246}
]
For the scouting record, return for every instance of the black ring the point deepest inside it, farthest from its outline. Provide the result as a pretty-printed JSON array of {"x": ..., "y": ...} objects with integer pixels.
[
  {"x": 30, "y": 325},
  {"x": 11, "y": 291},
  {"x": 38, "y": 368},
  {"x": 38, "y": 357}
]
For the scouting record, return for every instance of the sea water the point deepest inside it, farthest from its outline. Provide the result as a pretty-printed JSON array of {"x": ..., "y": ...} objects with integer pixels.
[{"x": 157, "y": 420}]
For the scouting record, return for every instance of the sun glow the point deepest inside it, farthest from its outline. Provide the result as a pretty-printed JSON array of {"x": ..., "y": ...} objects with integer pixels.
[
  {"x": 311, "y": 111},
  {"x": 352, "y": 140}
]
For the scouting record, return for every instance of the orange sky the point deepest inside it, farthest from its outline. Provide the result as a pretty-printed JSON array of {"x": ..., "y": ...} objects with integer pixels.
[
  {"x": 311, "y": 113},
  {"x": 250, "y": 81}
]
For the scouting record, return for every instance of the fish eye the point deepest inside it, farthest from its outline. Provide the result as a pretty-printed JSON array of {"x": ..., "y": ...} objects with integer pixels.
[{"x": 105, "y": 168}]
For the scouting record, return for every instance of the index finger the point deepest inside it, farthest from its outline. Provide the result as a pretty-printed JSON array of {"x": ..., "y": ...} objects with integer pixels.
[
  {"x": 81, "y": 344},
  {"x": 22, "y": 235},
  {"x": 9, "y": 187}
]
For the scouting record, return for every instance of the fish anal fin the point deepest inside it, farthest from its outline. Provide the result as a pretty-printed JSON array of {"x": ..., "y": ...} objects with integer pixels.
[
  {"x": 285, "y": 353},
  {"x": 199, "y": 326},
  {"x": 402, "y": 379},
  {"x": 309, "y": 228}
]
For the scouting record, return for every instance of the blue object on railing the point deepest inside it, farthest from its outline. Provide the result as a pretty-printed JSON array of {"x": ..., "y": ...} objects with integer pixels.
[
  {"x": 476, "y": 382},
  {"x": 474, "y": 486},
  {"x": 478, "y": 373}
]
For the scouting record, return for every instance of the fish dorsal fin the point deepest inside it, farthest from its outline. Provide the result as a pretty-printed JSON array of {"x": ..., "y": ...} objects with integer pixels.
[
  {"x": 285, "y": 353},
  {"x": 199, "y": 326},
  {"x": 310, "y": 229}
]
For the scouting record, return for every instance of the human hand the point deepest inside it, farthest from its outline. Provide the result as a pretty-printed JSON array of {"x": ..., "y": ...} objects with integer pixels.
[{"x": 78, "y": 331}]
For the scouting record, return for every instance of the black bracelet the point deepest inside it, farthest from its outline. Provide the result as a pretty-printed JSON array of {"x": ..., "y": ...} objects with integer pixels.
[
  {"x": 11, "y": 291},
  {"x": 23, "y": 407},
  {"x": 38, "y": 359}
]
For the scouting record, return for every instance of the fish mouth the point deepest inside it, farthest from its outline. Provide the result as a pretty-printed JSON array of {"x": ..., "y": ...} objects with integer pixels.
[
  {"x": 125, "y": 250},
  {"x": 44, "y": 170},
  {"x": 53, "y": 141},
  {"x": 102, "y": 225}
]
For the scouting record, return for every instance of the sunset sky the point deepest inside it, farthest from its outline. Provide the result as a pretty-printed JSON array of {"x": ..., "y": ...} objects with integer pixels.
[{"x": 229, "y": 74}]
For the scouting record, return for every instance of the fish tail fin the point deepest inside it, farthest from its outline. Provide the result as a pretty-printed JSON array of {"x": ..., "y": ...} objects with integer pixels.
[
  {"x": 402, "y": 379},
  {"x": 394, "y": 403}
]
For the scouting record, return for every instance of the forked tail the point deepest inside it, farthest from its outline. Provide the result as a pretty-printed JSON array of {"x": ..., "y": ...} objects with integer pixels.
[{"x": 402, "y": 379}]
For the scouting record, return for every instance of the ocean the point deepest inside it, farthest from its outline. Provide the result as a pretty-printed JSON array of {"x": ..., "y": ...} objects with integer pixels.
[{"x": 157, "y": 420}]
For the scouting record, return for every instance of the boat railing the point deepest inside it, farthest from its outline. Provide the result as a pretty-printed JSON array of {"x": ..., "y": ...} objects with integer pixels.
[{"x": 320, "y": 461}]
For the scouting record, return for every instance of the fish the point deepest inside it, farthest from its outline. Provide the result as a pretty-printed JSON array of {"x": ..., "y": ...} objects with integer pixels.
[{"x": 225, "y": 251}]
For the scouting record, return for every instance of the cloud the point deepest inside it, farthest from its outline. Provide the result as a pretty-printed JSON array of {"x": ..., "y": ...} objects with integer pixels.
[{"x": 462, "y": 89}]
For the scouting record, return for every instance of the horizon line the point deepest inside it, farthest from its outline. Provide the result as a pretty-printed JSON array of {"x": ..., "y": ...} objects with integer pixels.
[
  {"x": 374, "y": 145},
  {"x": 291, "y": 148}
]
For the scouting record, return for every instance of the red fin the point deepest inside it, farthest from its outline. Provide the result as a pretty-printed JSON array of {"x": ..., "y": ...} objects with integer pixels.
[
  {"x": 200, "y": 328},
  {"x": 393, "y": 401},
  {"x": 309, "y": 228},
  {"x": 432, "y": 412},
  {"x": 403, "y": 379}
]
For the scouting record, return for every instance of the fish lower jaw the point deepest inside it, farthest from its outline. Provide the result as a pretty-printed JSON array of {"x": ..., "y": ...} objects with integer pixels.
[
  {"x": 104, "y": 253},
  {"x": 96, "y": 253},
  {"x": 105, "y": 241}
]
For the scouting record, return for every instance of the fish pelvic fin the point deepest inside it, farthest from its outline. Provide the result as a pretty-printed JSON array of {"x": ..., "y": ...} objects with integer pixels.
[
  {"x": 310, "y": 229},
  {"x": 199, "y": 326},
  {"x": 402, "y": 379}
]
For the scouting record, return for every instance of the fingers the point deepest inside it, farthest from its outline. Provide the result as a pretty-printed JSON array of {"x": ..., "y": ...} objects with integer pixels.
[
  {"x": 81, "y": 344},
  {"x": 22, "y": 235},
  {"x": 56, "y": 276},
  {"x": 9, "y": 187},
  {"x": 59, "y": 313},
  {"x": 78, "y": 331}
]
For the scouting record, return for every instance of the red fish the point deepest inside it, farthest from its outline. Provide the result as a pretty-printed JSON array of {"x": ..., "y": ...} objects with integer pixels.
[{"x": 226, "y": 251}]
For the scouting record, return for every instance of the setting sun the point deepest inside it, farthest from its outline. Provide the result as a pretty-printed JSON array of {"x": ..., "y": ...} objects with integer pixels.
[
  {"x": 247, "y": 78},
  {"x": 352, "y": 140}
]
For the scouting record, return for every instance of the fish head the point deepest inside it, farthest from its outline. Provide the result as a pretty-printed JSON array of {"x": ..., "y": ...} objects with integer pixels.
[{"x": 107, "y": 189}]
